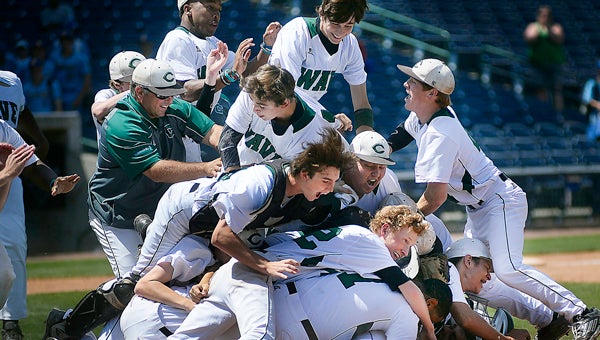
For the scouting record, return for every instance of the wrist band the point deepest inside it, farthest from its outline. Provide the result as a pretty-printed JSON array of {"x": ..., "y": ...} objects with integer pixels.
[
  {"x": 229, "y": 76},
  {"x": 364, "y": 117},
  {"x": 265, "y": 48}
]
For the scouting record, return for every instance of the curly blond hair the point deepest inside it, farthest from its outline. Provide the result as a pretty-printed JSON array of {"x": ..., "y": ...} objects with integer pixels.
[{"x": 398, "y": 217}]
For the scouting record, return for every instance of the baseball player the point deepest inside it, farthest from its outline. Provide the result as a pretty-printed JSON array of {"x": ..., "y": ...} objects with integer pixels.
[
  {"x": 270, "y": 120},
  {"x": 453, "y": 165},
  {"x": 313, "y": 50},
  {"x": 12, "y": 217},
  {"x": 187, "y": 48},
  {"x": 12, "y": 162},
  {"x": 367, "y": 254},
  {"x": 277, "y": 192},
  {"x": 120, "y": 70},
  {"x": 158, "y": 307},
  {"x": 141, "y": 154},
  {"x": 470, "y": 267}
]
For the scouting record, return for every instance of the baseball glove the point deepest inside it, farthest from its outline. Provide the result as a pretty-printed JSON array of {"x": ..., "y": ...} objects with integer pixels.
[{"x": 434, "y": 266}]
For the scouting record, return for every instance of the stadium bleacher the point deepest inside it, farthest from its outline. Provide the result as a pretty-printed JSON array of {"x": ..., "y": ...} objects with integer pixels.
[{"x": 489, "y": 105}]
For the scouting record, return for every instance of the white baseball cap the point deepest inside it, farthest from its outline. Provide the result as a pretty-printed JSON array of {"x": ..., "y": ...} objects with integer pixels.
[
  {"x": 468, "y": 246},
  {"x": 433, "y": 72},
  {"x": 398, "y": 198},
  {"x": 157, "y": 76},
  {"x": 122, "y": 64},
  {"x": 372, "y": 147}
]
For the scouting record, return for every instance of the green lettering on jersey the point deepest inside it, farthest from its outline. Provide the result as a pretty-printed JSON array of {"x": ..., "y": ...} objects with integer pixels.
[
  {"x": 307, "y": 78},
  {"x": 350, "y": 279},
  {"x": 312, "y": 261},
  {"x": 315, "y": 80},
  {"x": 323, "y": 83},
  {"x": 321, "y": 235},
  {"x": 260, "y": 144},
  {"x": 201, "y": 72}
]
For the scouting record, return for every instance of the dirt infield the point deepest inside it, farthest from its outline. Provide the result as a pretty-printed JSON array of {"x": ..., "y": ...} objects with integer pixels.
[{"x": 569, "y": 267}]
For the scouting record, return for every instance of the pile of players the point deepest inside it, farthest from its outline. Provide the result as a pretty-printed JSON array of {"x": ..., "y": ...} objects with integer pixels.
[{"x": 288, "y": 234}]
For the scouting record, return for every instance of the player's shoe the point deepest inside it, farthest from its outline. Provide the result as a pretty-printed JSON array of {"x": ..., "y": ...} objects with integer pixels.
[
  {"x": 11, "y": 331},
  {"x": 587, "y": 325},
  {"x": 556, "y": 329}
]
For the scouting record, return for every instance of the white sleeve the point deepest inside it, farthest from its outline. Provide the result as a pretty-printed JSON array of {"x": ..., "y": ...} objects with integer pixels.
[
  {"x": 180, "y": 53},
  {"x": 354, "y": 71},
  {"x": 12, "y": 137},
  {"x": 290, "y": 46},
  {"x": 240, "y": 113},
  {"x": 457, "y": 293},
  {"x": 242, "y": 194},
  {"x": 189, "y": 258}
]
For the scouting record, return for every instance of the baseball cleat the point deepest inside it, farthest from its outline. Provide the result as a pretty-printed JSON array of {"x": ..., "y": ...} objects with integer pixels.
[
  {"x": 587, "y": 325},
  {"x": 556, "y": 329},
  {"x": 11, "y": 331}
]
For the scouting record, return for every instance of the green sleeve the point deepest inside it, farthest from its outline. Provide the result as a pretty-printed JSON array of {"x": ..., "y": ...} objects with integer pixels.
[
  {"x": 198, "y": 124},
  {"x": 130, "y": 143}
]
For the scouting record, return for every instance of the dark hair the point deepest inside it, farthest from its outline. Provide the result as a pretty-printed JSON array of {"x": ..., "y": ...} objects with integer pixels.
[
  {"x": 440, "y": 291},
  {"x": 270, "y": 83},
  {"x": 331, "y": 151},
  {"x": 442, "y": 99},
  {"x": 341, "y": 11}
]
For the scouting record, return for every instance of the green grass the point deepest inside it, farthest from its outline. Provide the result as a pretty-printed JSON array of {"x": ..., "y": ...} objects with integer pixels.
[
  {"x": 68, "y": 268},
  {"x": 565, "y": 244},
  {"x": 40, "y": 304}
]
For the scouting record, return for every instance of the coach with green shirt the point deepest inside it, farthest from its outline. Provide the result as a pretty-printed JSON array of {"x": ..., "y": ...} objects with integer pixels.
[{"x": 141, "y": 153}]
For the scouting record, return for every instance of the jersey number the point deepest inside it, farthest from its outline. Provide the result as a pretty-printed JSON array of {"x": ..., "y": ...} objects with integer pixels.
[{"x": 321, "y": 235}]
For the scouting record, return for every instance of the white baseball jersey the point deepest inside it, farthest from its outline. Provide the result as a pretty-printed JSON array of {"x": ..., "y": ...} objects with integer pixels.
[
  {"x": 299, "y": 50},
  {"x": 266, "y": 140},
  {"x": 447, "y": 154},
  {"x": 187, "y": 54},
  {"x": 12, "y": 217},
  {"x": 102, "y": 95},
  {"x": 144, "y": 318},
  {"x": 496, "y": 206},
  {"x": 239, "y": 197},
  {"x": 339, "y": 306},
  {"x": 338, "y": 249}
]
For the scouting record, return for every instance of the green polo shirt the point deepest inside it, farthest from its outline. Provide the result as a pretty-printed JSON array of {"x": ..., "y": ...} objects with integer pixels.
[{"x": 130, "y": 143}]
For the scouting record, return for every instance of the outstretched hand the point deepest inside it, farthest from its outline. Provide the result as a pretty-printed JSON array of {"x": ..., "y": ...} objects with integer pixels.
[
  {"x": 276, "y": 269},
  {"x": 271, "y": 32},
  {"x": 242, "y": 55},
  {"x": 215, "y": 62},
  {"x": 64, "y": 184}
]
